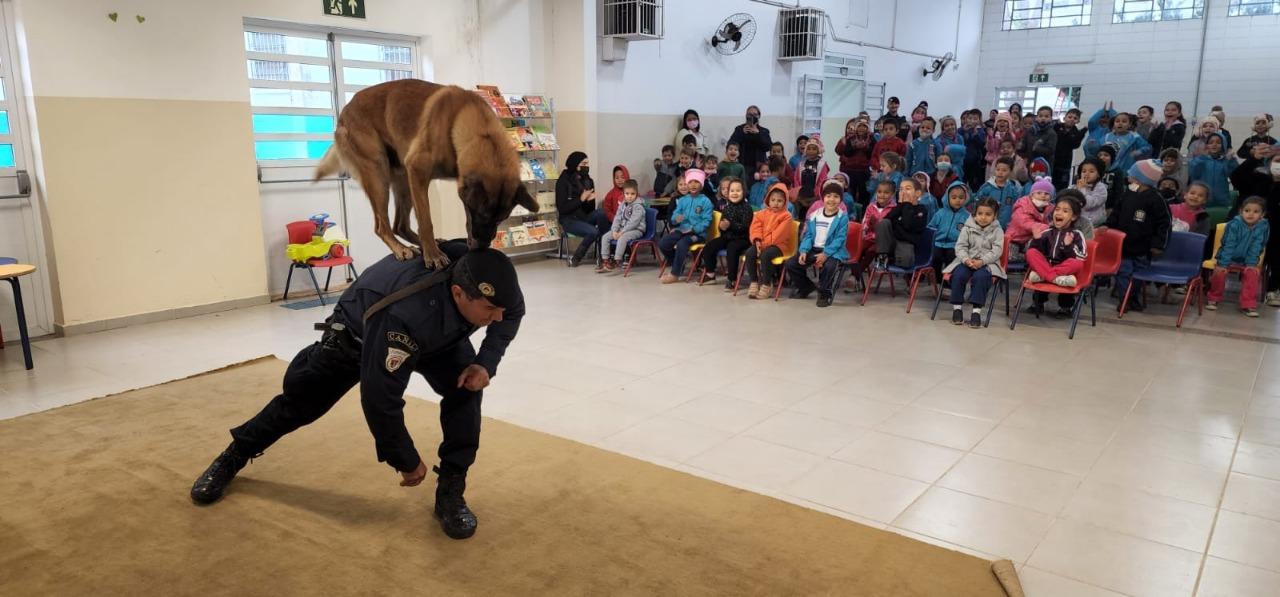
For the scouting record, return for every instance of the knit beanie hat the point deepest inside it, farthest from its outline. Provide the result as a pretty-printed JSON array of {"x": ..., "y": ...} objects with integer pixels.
[
  {"x": 1147, "y": 172},
  {"x": 695, "y": 174},
  {"x": 1110, "y": 148},
  {"x": 1042, "y": 184}
]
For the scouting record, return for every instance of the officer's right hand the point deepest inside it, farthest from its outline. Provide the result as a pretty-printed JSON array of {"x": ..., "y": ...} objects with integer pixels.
[{"x": 414, "y": 478}]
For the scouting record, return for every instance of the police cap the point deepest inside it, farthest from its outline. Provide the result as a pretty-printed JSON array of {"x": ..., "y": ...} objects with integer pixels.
[{"x": 488, "y": 273}]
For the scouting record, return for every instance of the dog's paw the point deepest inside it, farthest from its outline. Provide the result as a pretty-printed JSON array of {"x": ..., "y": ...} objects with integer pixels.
[
  {"x": 403, "y": 253},
  {"x": 435, "y": 259}
]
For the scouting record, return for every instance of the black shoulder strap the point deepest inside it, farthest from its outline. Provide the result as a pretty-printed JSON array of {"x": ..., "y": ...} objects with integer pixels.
[{"x": 436, "y": 277}]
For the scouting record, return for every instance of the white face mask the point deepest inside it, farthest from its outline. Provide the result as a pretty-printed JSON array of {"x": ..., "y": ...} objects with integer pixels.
[
  {"x": 692, "y": 124},
  {"x": 1133, "y": 186}
]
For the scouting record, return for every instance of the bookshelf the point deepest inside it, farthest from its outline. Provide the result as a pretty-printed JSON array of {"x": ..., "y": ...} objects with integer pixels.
[{"x": 530, "y": 123}]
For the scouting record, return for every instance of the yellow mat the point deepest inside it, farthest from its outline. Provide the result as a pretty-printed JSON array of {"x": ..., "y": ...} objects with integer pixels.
[{"x": 93, "y": 501}]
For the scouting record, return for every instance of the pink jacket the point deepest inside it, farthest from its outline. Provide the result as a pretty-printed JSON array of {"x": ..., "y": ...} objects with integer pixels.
[
  {"x": 874, "y": 214},
  {"x": 1026, "y": 220}
]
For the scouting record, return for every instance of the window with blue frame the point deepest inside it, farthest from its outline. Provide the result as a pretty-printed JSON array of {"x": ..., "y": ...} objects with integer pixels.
[{"x": 299, "y": 81}]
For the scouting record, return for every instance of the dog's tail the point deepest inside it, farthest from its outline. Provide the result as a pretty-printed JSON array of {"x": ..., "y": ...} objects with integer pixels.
[{"x": 330, "y": 164}]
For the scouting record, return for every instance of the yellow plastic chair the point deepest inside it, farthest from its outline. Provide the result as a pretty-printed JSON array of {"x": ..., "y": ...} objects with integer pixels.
[
  {"x": 696, "y": 248},
  {"x": 795, "y": 242},
  {"x": 1212, "y": 262}
]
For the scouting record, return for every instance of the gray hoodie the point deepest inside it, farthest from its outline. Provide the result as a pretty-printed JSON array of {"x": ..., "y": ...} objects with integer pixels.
[
  {"x": 976, "y": 242},
  {"x": 630, "y": 217}
]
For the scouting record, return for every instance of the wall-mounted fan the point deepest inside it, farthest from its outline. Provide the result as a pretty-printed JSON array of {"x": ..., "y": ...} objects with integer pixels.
[
  {"x": 734, "y": 34},
  {"x": 939, "y": 66}
]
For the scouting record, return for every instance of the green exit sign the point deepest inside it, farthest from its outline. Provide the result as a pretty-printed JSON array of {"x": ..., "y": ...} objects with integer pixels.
[
  {"x": 1035, "y": 77},
  {"x": 344, "y": 8}
]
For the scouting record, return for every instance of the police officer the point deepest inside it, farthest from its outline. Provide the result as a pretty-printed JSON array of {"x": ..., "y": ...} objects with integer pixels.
[{"x": 397, "y": 318}]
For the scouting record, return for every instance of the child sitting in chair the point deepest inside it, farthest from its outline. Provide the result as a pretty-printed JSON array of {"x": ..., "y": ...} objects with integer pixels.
[
  {"x": 628, "y": 225},
  {"x": 900, "y": 230},
  {"x": 1242, "y": 242},
  {"x": 977, "y": 262},
  {"x": 772, "y": 236},
  {"x": 823, "y": 246},
  {"x": 1057, "y": 254}
]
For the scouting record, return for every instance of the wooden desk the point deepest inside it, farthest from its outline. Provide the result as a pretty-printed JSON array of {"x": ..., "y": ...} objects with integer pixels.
[{"x": 11, "y": 273}]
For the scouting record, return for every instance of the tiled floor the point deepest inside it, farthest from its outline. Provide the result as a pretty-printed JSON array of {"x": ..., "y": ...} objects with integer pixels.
[{"x": 1134, "y": 460}]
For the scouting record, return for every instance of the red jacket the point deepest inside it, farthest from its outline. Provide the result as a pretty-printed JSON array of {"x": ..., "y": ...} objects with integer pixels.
[
  {"x": 938, "y": 188},
  {"x": 614, "y": 197},
  {"x": 894, "y": 144}
]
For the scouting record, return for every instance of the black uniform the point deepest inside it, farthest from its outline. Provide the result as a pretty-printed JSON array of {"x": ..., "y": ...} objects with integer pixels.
[{"x": 422, "y": 332}]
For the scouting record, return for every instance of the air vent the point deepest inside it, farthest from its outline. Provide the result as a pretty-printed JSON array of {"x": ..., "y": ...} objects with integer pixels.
[
  {"x": 800, "y": 34},
  {"x": 632, "y": 19}
]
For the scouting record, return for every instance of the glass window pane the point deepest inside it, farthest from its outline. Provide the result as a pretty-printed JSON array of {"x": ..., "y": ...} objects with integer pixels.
[
  {"x": 372, "y": 76},
  {"x": 290, "y": 150},
  {"x": 272, "y": 70},
  {"x": 276, "y": 43},
  {"x": 290, "y": 98},
  {"x": 291, "y": 123},
  {"x": 6, "y": 156},
  {"x": 3, "y": 84},
  {"x": 4, "y": 122},
  {"x": 376, "y": 53}
]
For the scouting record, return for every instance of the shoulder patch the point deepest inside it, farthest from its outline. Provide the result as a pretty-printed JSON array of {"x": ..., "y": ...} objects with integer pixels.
[
  {"x": 403, "y": 340},
  {"x": 395, "y": 358}
]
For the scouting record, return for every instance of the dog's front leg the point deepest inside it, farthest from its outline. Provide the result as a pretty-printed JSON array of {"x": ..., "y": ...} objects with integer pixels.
[{"x": 431, "y": 253}]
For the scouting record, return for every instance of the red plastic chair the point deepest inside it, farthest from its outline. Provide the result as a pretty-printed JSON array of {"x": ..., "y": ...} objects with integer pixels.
[
  {"x": 996, "y": 284},
  {"x": 852, "y": 244},
  {"x": 1084, "y": 289},
  {"x": 1110, "y": 243},
  {"x": 922, "y": 267},
  {"x": 301, "y": 233}
]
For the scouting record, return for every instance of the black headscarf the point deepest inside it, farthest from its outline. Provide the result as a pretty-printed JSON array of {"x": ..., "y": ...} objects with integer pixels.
[{"x": 571, "y": 163}]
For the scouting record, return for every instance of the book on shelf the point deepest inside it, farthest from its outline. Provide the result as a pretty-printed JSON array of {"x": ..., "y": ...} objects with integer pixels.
[
  {"x": 537, "y": 230},
  {"x": 553, "y": 229},
  {"x": 517, "y": 106},
  {"x": 501, "y": 240},
  {"x": 519, "y": 235},
  {"x": 516, "y": 142},
  {"x": 546, "y": 138},
  {"x": 528, "y": 138},
  {"x": 536, "y": 166},
  {"x": 536, "y": 106},
  {"x": 519, "y": 211},
  {"x": 549, "y": 168},
  {"x": 494, "y": 97},
  {"x": 546, "y": 202},
  {"x": 526, "y": 170}
]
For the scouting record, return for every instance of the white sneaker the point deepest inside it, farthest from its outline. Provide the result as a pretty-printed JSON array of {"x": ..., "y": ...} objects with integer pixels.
[
  {"x": 1250, "y": 312},
  {"x": 1034, "y": 277},
  {"x": 1211, "y": 306},
  {"x": 1273, "y": 299},
  {"x": 1065, "y": 281}
]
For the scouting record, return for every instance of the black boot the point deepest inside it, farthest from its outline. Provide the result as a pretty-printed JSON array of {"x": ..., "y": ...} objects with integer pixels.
[
  {"x": 451, "y": 509},
  {"x": 210, "y": 485}
]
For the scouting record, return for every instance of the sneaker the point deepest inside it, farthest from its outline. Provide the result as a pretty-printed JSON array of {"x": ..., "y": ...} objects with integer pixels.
[
  {"x": 766, "y": 291},
  {"x": 610, "y": 266},
  {"x": 728, "y": 285},
  {"x": 1065, "y": 281},
  {"x": 575, "y": 261},
  {"x": 1180, "y": 290},
  {"x": 801, "y": 293},
  {"x": 1062, "y": 313},
  {"x": 957, "y": 317},
  {"x": 881, "y": 262},
  {"x": 211, "y": 484},
  {"x": 709, "y": 279},
  {"x": 1212, "y": 306},
  {"x": 1250, "y": 312},
  {"x": 975, "y": 320},
  {"x": 1033, "y": 277},
  {"x": 451, "y": 509},
  {"x": 1273, "y": 299},
  {"x": 753, "y": 289},
  {"x": 824, "y": 300},
  {"x": 669, "y": 278}
]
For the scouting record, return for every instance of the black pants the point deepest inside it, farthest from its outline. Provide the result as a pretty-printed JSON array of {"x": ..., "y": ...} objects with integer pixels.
[
  {"x": 799, "y": 275},
  {"x": 1061, "y": 176},
  {"x": 325, "y": 371},
  {"x": 733, "y": 249},
  {"x": 1273, "y": 257},
  {"x": 760, "y": 267},
  {"x": 942, "y": 257},
  {"x": 858, "y": 187}
]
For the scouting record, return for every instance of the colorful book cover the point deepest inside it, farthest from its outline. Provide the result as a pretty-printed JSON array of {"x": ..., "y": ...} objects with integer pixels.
[
  {"x": 519, "y": 211},
  {"x": 536, "y": 166},
  {"x": 546, "y": 138},
  {"x": 537, "y": 106},
  {"x": 519, "y": 235},
  {"x": 553, "y": 229},
  {"x": 526, "y": 170},
  {"x": 517, "y": 106},
  {"x": 514, "y": 136},
  {"x": 549, "y": 168},
  {"x": 500, "y": 240},
  {"x": 537, "y": 230},
  {"x": 529, "y": 139}
]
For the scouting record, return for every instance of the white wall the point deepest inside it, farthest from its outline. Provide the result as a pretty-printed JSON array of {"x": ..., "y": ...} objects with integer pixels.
[
  {"x": 641, "y": 98},
  {"x": 1143, "y": 63}
]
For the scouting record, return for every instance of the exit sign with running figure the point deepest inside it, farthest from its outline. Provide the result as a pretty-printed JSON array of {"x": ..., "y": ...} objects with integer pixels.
[{"x": 344, "y": 8}]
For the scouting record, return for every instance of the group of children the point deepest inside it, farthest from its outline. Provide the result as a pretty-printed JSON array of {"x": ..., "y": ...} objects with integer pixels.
[{"x": 900, "y": 180}]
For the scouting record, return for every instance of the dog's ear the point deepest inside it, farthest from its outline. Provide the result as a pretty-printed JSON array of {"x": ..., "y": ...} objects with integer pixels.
[{"x": 525, "y": 200}]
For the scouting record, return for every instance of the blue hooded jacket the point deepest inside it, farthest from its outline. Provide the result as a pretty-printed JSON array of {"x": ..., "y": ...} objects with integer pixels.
[
  {"x": 756, "y": 198},
  {"x": 835, "y": 246},
  {"x": 696, "y": 210},
  {"x": 1214, "y": 172},
  {"x": 1242, "y": 244},
  {"x": 958, "y": 155},
  {"x": 921, "y": 155},
  {"x": 947, "y": 221},
  {"x": 875, "y": 179},
  {"x": 1097, "y": 132},
  {"x": 1006, "y": 197},
  {"x": 1130, "y": 147}
]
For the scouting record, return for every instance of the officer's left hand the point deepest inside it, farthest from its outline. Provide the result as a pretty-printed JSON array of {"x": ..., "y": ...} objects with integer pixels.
[{"x": 474, "y": 378}]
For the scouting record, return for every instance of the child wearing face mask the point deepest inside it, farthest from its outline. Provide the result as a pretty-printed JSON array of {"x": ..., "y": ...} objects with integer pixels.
[
  {"x": 1169, "y": 188},
  {"x": 1242, "y": 243},
  {"x": 1142, "y": 214},
  {"x": 1089, "y": 183},
  {"x": 1260, "y": 175},
  {"x": 1057, "y": 253},
  {"x": 1189, "y": 214},
  {"x": 1261, "y": 135},
  {"x": 692, "y": 125},
  {"x": 855, "y": 150},
  {"x": 1031, "y": 213},
  {"x": 942, "y": 177},
  {"x": 1214, "y": 167},
  {"x": 921, "y": 152}
]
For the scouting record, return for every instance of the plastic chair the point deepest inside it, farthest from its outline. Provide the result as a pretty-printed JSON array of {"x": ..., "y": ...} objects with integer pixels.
[
  {"x": 696, "y": 248},
  {"x": 1212, "y": 262},
  {"x": 795, "y": 231},
  {"x": 853, "y": 245},
  {"x": 1084, "y": 289},
  {"x": 923, "y": 266},
  {"x": 648, "y": 240},
  {"x": 1178, "y": 265},
  {"x": 300, "y": 233}
]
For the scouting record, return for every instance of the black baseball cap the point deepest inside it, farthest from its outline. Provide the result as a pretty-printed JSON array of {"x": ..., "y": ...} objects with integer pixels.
[{"x": 489, "y": 273}]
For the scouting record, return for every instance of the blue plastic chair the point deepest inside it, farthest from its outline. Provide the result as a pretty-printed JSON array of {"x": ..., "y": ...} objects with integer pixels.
[
  {"x": 650, "y": 233},
  {"x": 7, "y": 261},
  {"x": 1178, "y": 265},
  {"x": 923, "y": 266}
]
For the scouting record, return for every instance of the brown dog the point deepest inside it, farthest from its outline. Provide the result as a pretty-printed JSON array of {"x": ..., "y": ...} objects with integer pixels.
[{"x": 401, "y": 135}]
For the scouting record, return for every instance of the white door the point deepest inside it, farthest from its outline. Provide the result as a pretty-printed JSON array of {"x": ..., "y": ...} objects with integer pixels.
[{"x": 21, "y": 235}]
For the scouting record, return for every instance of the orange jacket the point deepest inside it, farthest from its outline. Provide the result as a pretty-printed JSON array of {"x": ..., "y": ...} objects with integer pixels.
[{"x": 774, "y": 226}]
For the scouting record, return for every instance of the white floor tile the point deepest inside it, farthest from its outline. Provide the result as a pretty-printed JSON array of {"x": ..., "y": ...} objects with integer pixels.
[
  {"x": 805, "y": 432},
  {"x": 1158, "y": 475},
  {"x": 1209, "y": 451},
  {"x": 952, "y": 431},
  {"x": 768, "y": 390},
  {"x": 722, "y": 412},
  {"x": 978, "y": 523},
  {"x": 900, "y": 456},
  {"x": 1030, "y": 487},
  {"x": 1038, "y": 583},
  {"x": 1256, "y": 496},
  {"x": 1117, "y": 562},
  {"x": 1247, "y": 540},
  {"x": 853, "y": 410},
  {"x": 1262, "y": 430},
  {"x": 1222, "y": 578},
  {"x": 665, "y": 438},
  {"x": 756, "y": 462},
  {"x": 858, "y": 490},
  {"x": 1259, "y": 460},
  {"x": 1141, "y": 514},
  {"x": 1041, "y": 449},
  {"x": 591, "y": 420},
  {"x": 965, "y": 403}
]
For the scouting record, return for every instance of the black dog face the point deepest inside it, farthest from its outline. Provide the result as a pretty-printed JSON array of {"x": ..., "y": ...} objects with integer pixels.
[{"x": 486, "y": 209}]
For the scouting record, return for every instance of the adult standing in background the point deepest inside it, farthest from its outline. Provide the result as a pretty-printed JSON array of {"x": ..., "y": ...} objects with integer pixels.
[
  {"x": 753, "y": 140},
  {"x": 576, "y": 202},
  {"x": 891, "y": 115},
  {"x": 1170, "y": 132},
  {"x": 691, "y": 124}
]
